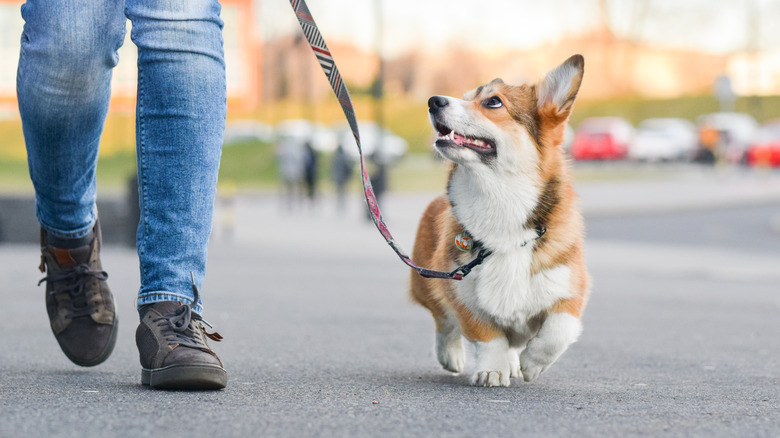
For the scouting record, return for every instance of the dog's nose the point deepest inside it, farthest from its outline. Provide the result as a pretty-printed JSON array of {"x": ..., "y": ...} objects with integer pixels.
[{"x": 436, "y": 103}]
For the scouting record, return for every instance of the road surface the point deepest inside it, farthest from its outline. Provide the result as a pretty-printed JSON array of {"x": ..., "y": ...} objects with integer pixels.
[{"x": 681, "y": 337}]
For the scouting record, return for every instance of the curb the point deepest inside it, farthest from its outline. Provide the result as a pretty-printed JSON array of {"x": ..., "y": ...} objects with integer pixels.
[{"x": 18, "y": 222}]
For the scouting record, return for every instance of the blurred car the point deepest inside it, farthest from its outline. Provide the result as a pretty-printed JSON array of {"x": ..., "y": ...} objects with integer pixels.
[
  {"x": 240, "y": 131},
  {"x": 663, "y": 139},
  {"x": 735, "y": 132},
  {"x": 764, "y": 151},
  {"x": 392, "y": 147},
  {"x": 321, "y": 137},
  {"x": 602, "y": 138}
]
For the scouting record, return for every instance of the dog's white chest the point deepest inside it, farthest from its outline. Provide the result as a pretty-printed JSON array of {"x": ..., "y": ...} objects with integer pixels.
[{"x": 503, "y": 291}]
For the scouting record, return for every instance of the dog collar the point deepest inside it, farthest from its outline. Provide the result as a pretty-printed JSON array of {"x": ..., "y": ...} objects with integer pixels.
[
  {"x": 465, "y": 242},
  {"x": 464, "y": 270}
]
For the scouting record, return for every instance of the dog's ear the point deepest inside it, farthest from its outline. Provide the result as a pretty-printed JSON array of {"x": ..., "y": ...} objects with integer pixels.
[{"x": 560, "y": 86}]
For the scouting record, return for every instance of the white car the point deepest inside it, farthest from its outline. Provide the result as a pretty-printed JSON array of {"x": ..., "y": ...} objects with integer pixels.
[{"x": 663, "y": 139}]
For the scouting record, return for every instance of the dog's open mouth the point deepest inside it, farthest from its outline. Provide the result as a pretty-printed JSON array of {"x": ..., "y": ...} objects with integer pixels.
[{"x": 446, "y": 136}]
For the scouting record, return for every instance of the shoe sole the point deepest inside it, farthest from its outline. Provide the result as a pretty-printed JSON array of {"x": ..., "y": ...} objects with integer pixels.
[
  {"x": 103, "y": 356},
  {"x": 188, "y": 377}
]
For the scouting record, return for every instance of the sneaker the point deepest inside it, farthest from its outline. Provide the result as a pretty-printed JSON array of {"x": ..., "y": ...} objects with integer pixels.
[
  {"x": 78, "y": 301},
  {"x": 172, "y": 345}
]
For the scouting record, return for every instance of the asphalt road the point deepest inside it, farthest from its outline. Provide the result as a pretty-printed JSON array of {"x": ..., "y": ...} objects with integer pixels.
[
  {"x": 681, "y": 339},
  {"x": 752, "y": 229}
]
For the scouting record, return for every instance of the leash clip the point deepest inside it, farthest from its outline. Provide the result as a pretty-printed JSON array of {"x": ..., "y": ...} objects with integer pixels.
[{"x": 466, "y": 269}]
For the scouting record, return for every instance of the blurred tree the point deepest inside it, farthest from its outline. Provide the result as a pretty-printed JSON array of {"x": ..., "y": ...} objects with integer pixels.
[{"x": 625, "y": 22}]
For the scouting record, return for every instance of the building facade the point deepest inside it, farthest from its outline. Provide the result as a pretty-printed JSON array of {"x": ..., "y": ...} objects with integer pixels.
[{"x": 242, "y": 58}]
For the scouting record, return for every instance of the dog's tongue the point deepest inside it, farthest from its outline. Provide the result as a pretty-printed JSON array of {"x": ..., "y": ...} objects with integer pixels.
[{"x": 458, "y": 139}]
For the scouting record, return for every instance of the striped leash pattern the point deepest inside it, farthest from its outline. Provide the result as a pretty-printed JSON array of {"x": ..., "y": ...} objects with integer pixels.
[{"x": 321, "y": 52}]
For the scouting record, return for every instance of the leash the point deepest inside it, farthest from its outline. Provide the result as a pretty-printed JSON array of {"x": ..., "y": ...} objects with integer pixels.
[{"x": 321, "y": 52}]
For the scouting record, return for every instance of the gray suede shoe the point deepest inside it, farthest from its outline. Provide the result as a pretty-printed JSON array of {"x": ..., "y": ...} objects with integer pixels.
[
  {"x": 171, "y": 342},
  {"x": 78, "y": 301}
]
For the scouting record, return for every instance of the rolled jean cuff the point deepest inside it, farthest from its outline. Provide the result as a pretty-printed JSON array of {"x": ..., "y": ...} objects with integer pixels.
[
  {"x": 160, "y": 296},
  {"x": 77, "y": 234}
]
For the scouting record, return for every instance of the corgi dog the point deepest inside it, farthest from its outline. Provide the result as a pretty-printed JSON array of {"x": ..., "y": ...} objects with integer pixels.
[{"x": 509, "y": 194}]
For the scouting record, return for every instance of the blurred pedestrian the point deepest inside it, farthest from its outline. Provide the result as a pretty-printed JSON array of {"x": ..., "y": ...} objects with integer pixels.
[
  {"x": 69, "y": 49},
  {"x": 291, "y": 159},
  {"x": 708, "y": 143},
  {"x": 340, "y": 174},
  {"x": 310, "y": 171}
]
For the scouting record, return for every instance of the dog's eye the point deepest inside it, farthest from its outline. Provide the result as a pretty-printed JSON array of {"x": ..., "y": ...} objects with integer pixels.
[{"x": 493, "y": 102}]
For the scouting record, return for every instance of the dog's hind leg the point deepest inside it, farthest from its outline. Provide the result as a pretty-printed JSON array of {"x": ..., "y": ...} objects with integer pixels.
[{"x": 449, "y": 343}]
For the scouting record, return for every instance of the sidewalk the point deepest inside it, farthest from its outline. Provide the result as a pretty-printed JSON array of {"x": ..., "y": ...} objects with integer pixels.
[
  {"x": 260, "y": 219},
  {"x": 696, "y": 189}
]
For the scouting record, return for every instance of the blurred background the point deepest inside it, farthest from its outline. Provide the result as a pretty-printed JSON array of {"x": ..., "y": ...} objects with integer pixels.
[
  {"x": 675, "y": 145},
  {"x": 671, "y": 90}
]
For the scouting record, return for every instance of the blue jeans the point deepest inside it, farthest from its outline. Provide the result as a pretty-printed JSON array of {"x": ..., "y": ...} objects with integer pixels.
[{"x": 69, "y": 48}]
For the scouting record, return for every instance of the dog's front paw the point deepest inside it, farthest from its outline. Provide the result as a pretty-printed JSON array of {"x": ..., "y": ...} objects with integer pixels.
[
  {"x": 558, "y": 331},
  {"x": 531, "y": 369},
  {"x": 490, "y": 378},
  {"x": 493, "y": 363}
]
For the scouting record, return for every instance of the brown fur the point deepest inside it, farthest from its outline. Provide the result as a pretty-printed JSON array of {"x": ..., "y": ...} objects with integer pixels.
[
  {"x": 433, "y": 247},
  {"x": 556, "y": 210}
]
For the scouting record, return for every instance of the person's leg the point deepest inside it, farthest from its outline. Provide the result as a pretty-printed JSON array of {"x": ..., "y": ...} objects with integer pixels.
[
  {"x": 68, "y": 50},
  {"x": 180, "y": 125}
]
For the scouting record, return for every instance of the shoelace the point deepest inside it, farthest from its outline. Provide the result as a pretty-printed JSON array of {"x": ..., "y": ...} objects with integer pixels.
[
  {"x": 74, "y": 281},
  {"x": 180, "y": 328}
]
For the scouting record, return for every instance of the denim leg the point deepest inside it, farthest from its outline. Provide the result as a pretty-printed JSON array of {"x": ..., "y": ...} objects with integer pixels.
[
  {"x": 180, "y": 124},
  {"x": 69, "y": 48}
]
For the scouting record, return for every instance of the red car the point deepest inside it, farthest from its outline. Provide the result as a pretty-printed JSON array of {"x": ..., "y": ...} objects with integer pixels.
[
  {"x": 765, "y": 149},
  {"x": 602, "y": 138}
]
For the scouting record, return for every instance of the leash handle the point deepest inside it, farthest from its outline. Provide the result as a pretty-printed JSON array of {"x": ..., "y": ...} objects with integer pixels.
[{"x": 321, "y": 52}]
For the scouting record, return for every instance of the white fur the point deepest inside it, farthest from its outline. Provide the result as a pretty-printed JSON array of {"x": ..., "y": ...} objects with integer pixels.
[
  {"x": 514, "y": 362},
  {"x": 449, "y": 345},
  {"x": 495, "y": 208},
  {"x": 550, "y": 285},
  {"x": 494, "y": 202},
  {"x": 503, "y": 291},
  {"x": 557, "y": 85},
  {"x": 493, "y": 363},
  {"x": 558, "y": 331},
  {"x": 493, "y": 199}
]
